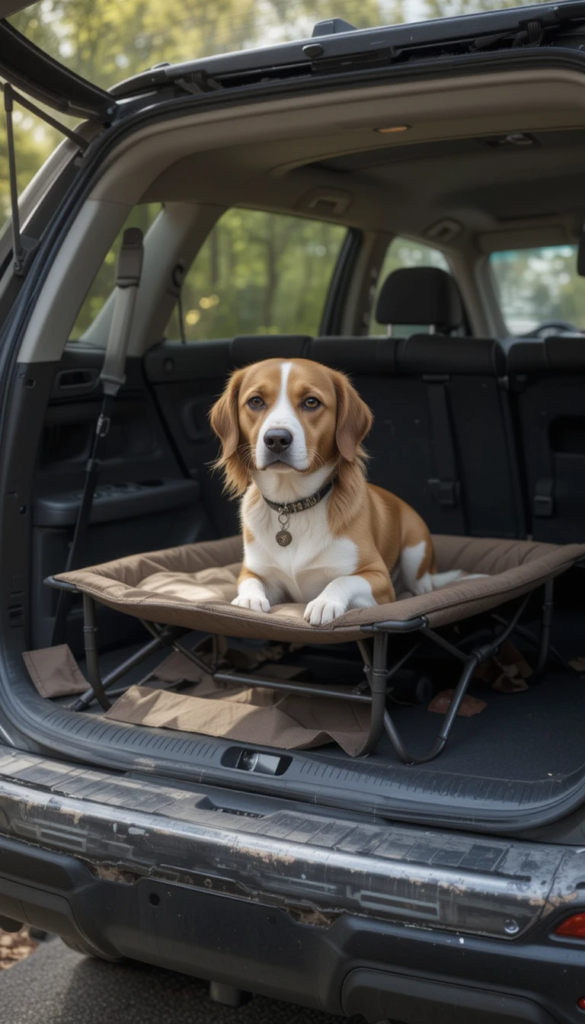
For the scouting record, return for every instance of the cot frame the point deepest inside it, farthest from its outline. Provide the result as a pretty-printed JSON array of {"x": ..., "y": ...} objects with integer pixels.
[{"x": 377, "y": 672}]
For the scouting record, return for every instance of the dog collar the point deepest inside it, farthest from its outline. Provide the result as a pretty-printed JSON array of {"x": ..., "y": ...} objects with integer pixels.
[{"x": 285, "y": 510}]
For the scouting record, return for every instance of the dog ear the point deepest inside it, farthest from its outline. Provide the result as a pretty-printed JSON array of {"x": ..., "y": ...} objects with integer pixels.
[
  {"x": 225, "y": 422},
  {"x": 224, "y": 416},
  {"x": 354, "y": 419}
]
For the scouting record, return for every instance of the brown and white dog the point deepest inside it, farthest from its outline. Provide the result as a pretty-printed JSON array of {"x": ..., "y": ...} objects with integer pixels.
[{"x": 288, "y": 429}]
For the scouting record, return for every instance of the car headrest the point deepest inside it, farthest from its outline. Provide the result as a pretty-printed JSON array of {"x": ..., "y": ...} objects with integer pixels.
[
  {"x": 357, "y": 355},
  {"x": 433, "y": 353},
  {"x": 420, "y": 295},
  {"x": 565, "y": 354},
  {"x": 253, "y": 348}
]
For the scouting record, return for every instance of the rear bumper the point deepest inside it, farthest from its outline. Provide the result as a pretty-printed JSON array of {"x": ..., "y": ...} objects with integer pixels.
[{"x": 337, "y": 914}]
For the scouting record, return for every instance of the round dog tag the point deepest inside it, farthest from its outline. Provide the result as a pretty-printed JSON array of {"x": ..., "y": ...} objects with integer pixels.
[{"x": 283, "y": 537}]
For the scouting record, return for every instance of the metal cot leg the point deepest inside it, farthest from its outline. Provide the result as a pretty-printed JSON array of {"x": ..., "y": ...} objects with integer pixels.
[
  {"x": 91, "y": 654},
  {"x": 471, "y": 662}
]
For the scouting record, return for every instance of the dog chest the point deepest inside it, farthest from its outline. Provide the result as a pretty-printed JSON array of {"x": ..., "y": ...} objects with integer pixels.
[{"x": 312, "y": 559}]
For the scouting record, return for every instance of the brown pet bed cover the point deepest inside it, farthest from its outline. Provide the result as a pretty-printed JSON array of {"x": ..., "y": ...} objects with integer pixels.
[{"x": 192, "y": 586}]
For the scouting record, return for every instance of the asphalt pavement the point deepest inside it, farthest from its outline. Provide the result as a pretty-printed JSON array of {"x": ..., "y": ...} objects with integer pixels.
[{"x": 57, "y": 986}]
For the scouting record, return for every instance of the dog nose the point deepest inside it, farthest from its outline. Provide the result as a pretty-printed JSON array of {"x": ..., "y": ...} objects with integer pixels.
[{"x": 278, "y": 440}]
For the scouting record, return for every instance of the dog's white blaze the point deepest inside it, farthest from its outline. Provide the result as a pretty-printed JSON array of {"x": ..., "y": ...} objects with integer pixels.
[{"x": 283, "y": 416}]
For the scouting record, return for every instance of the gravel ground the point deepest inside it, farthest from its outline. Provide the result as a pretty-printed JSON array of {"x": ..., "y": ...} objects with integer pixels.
[{"x": 57, "y": 986}]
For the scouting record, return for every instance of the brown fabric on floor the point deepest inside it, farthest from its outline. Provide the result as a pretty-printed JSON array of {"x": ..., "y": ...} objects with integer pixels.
[
  {"x": 248, "y": 714},
  {"x": 55, "y": 672},
  {"x": 254, "y": 716},
  {"x": 165, "y": 587}
]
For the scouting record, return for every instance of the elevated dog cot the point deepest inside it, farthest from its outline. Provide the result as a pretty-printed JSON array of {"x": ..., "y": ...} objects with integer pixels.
[{"x": 177, "y": 591}]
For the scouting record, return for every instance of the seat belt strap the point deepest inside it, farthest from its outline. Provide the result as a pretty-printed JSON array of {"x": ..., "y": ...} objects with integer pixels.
[
  {"x": 445, "y": 487},
  {"x": 127, "y": 281},
  {"x": 543, "y": 502},
  {"x": 112, "y": 377}
]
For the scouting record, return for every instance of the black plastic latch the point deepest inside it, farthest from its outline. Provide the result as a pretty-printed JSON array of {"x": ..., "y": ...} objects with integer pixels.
[
  {"x": 544, "y": 503},
  {"x": 332, "y": 26},
  {"x": 445, "y": 492}
]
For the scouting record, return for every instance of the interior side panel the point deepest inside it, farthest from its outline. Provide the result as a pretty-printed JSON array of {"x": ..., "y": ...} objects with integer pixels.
[
  {"x": 186, "y": 380},
  {"x": 144, "y": 500}
]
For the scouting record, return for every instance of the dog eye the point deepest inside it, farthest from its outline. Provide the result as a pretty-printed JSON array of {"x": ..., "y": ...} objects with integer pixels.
[
  {"x": 256, "y": 402},
  {"x": 311, "y": 403}
]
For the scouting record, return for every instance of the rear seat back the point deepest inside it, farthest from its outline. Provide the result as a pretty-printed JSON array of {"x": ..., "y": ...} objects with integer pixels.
[
  {"x": 253, "y": 348},
  {"x": 471, "y": 429},
  {"x": 442, "y": 437},
  {"x": 399, "y": 441},
  {"x": 547, "y": 380}
]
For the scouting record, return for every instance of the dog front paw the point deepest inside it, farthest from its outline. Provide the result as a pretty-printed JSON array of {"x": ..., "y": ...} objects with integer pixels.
[
  {"x": 322, "y": 610},
  {"x": 254, "y": 602}
]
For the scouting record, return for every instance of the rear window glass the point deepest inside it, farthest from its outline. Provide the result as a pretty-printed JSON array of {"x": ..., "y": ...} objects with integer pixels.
[
  {"x": 404, "y": 253},
  {"x": 536, "y": 287},
  {"x": 259, "y": 273}
]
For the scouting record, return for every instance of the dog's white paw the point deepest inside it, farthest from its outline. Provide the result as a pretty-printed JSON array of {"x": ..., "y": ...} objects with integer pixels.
[
  {"x": 254, "y": 602},
  {"x": 322, "y": 610}
]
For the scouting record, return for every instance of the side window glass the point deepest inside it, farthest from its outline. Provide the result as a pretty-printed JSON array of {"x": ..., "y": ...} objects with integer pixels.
[
  {"x": 259, "y": 273},
  {"x": 404, "y": 253},
  {"x": 141, "y": 217}
]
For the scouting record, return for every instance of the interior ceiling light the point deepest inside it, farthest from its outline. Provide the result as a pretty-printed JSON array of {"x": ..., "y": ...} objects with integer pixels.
[{"x": 392, "y": 129}]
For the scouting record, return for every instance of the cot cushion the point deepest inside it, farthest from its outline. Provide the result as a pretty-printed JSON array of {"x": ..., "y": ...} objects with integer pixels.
[{"x": 193, "y": 585}]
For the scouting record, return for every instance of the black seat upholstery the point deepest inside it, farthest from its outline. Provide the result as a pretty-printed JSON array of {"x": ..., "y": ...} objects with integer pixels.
[
  {"x": 547, "y": 377},
  {"x": 253, "y": 348},
  {"x": 471, "y": 431},
  {"x": 442, "y": 437}
]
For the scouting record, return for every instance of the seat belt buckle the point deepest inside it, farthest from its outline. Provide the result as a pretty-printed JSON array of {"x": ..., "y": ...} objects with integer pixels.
[
  {"x": 102, "y": 427},
  {"x": 445, "y": 492},
  {"x": 544, "y": 502},
  {"x": 130, "y": 259}
]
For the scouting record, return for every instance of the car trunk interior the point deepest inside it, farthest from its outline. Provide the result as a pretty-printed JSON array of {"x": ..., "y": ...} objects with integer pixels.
[{"x": 458, "y": 181}]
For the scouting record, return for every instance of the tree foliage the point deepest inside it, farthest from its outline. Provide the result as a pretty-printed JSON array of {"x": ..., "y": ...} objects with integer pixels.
[{"x": 256, "y": 272}]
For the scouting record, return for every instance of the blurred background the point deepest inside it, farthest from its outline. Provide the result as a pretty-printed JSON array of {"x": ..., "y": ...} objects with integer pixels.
[{"x": 107, "y": 41}]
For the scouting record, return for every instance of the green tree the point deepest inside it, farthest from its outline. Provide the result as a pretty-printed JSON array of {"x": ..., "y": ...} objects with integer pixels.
[
  {"x": 108, "y": 41},
  {"x": 280, "y": 267},
  {"x": 260, "y": 273}
]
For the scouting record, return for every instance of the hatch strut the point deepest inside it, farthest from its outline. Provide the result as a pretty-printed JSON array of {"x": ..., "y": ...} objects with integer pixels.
[{"x": 22, "y": 246}]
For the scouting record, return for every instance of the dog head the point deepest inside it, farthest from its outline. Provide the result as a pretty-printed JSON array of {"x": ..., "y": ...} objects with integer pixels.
[{"x": 287, "y": 416}]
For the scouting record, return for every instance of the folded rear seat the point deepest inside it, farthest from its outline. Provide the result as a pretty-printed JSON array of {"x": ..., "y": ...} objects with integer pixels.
[
  {"x": 442, "y": 437},
  {"x": 547, "y": 380}
]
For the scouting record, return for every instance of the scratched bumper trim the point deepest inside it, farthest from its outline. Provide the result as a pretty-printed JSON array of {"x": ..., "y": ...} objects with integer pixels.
[{"x": 316, "y": 868}]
